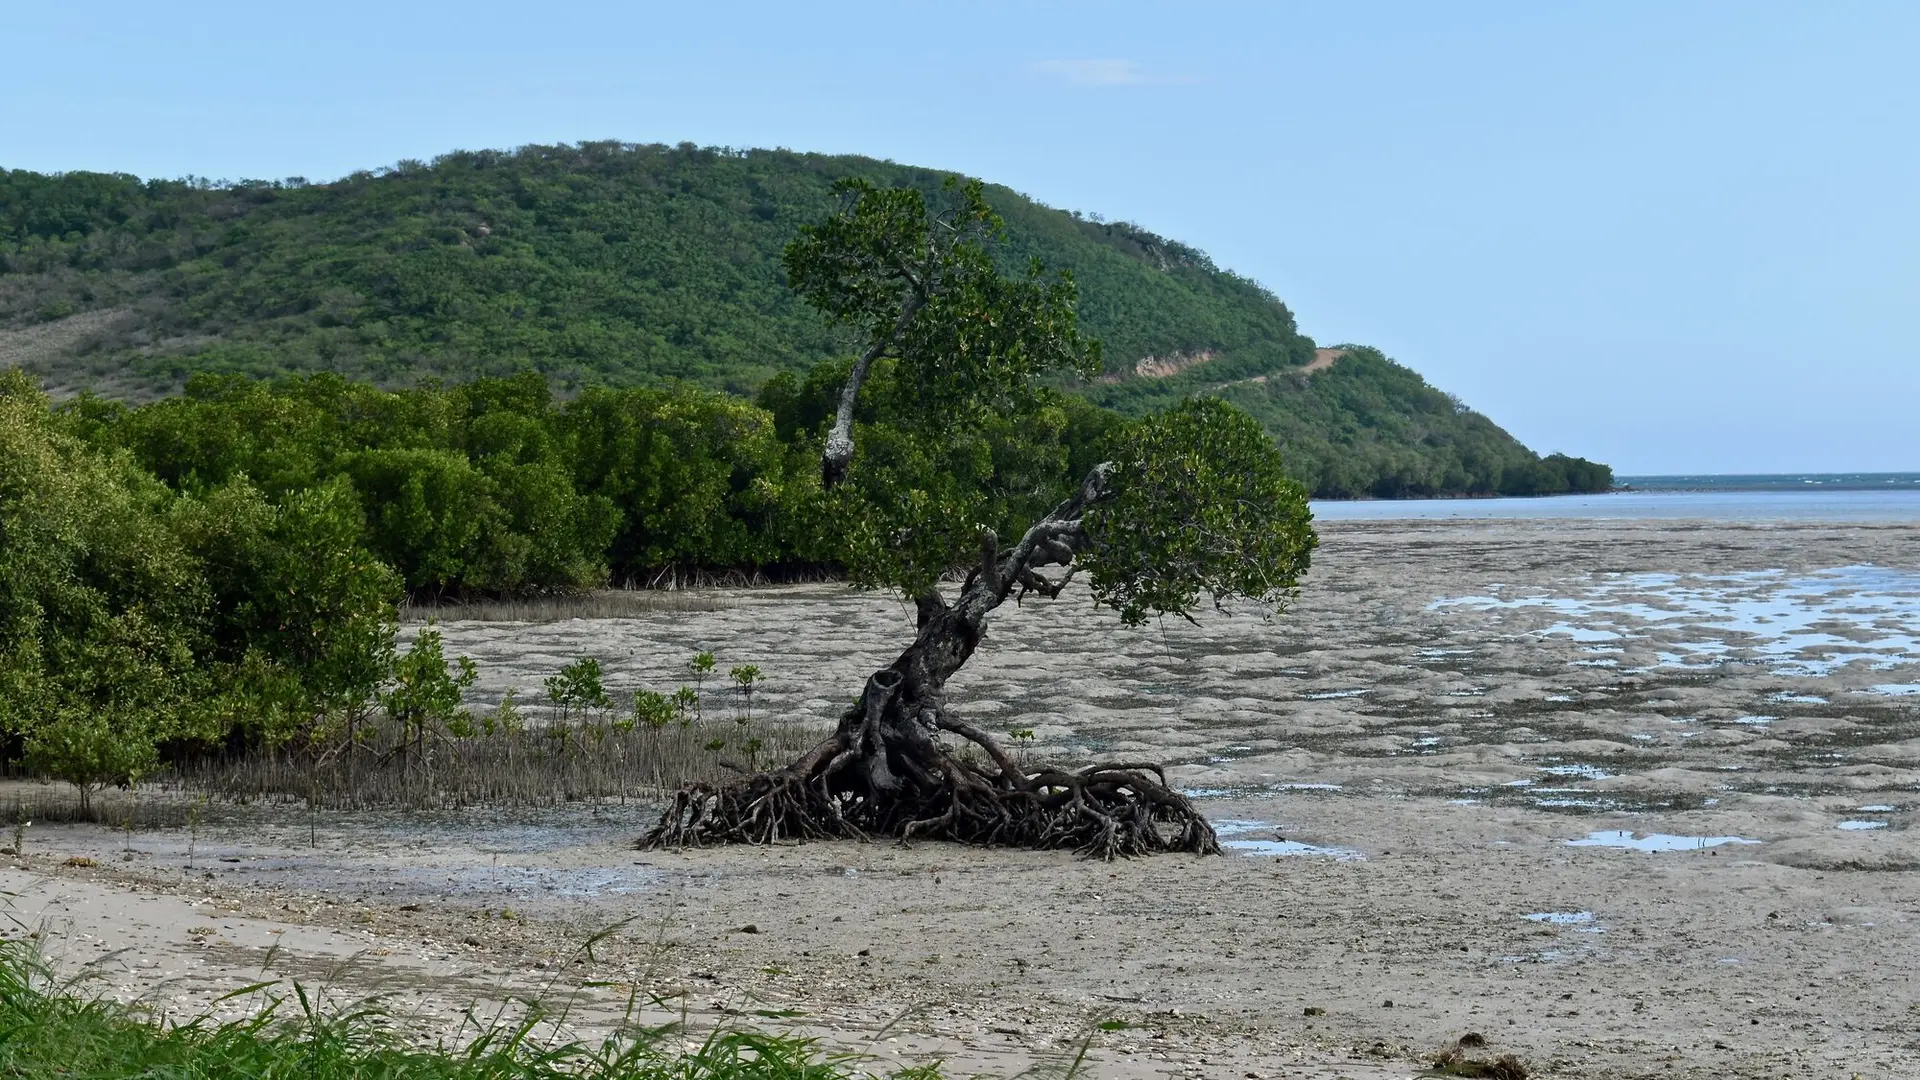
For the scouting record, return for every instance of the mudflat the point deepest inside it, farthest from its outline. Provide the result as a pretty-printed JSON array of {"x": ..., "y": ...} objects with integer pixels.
[{"x": 1623, "y": 798}]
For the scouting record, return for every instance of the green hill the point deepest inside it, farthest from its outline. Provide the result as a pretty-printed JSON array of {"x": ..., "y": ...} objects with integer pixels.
[{"x": 627, "y": 265}]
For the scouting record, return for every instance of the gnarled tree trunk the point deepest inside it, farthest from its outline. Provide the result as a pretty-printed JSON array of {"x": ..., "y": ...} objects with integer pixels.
[{"x": 886, "y": 772}]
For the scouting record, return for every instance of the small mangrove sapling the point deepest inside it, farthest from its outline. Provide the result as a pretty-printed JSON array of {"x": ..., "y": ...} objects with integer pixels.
[
  {"x": 746, "y": 676},
  {"x": 699, "y": 667}
]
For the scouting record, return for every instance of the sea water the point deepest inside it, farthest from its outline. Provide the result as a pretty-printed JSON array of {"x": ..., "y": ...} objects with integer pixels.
[
  {"x": 1797, "y": 624},
  {"x": 1812, "y": 497}
]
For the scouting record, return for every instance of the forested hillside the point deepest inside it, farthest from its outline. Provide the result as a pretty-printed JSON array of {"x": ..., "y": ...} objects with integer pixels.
[
  {"x": 619, "y": 265},
  {"x": 1362, "y": 425}
]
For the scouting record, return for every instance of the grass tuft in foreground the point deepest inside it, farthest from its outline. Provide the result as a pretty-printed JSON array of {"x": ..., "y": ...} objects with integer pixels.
[{"x": 50, "y": 1028}]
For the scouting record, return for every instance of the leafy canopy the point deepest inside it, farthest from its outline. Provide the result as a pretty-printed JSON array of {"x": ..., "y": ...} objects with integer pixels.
[
  {"x": 102, "y": 607},
  {"x": 1193, "y": 502},
  {"x": 1200, "y": 505},
  {"x": 134, "y": 616},
  {"x": 918, "y": 282},
  {"x": 947, "y": 417}
]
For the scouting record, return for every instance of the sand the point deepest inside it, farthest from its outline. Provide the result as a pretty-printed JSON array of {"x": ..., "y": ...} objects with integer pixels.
[{"x": 1404, "y": 763}]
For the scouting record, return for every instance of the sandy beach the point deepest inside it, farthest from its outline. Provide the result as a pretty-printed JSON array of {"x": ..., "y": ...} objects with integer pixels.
[{"x": 1625, "y": 798}]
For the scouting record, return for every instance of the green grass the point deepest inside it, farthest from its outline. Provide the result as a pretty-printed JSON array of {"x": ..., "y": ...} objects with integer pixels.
[{"x": 55, "y": 1028}]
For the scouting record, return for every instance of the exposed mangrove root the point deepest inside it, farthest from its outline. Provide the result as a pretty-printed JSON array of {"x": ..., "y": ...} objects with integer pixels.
[
  {"x": 864, "y": 783},
  {"x": 1102, "y": 811}
]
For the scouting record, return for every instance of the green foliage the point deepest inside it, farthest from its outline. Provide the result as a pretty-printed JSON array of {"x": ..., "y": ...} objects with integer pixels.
[
  {"x": 1201, "y": 506},
  {"x": 432, "y": 515},
  {"x": 102, "y": 607},
  {"x": 951, "y": 429},
  {"x": 505, "y": 717},
  {"x": 92, "y": 750},
  {"x": 303, "y": 616},
  {"x": 686, "y": 704},
  {"x": 909, "y": 508},
  {"x": 699, "y": 667},
  {"x": 694, "y": 478},
  {"x": 133, "y": 617},
  {"x": 1196, "y": 500},
  {"x": 49, "y": 1027},
  {"x": 424, "y": 696},
  {"x": 746, "y": 677},
  {"x": 653, "y": 709},
  {"x": 921, "y": 280},
  {"x": 919, "y": 490},
  {"x": 465, "y": 488},
  {"x": 578, "y": 687}
]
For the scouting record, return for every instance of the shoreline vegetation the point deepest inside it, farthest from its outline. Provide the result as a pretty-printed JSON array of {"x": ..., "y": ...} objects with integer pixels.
[
  {"x": 227, "y": 626},
  {"x": 627, "y": 748},
  {"x": 497, "y": 487}
]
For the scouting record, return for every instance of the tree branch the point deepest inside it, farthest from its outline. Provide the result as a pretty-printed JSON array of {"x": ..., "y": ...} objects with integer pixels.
[
  {"x": 926, "y": 608},
  {"x": 1053, "y": 540},
  {"x": 838, "y": 453},
  {"x": 989, "y": 569},
  {"x": 1009, "y": 769}
]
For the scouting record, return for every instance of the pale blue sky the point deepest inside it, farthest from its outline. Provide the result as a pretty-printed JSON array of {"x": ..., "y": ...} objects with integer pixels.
[{"x": 1669, "y": 236}]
